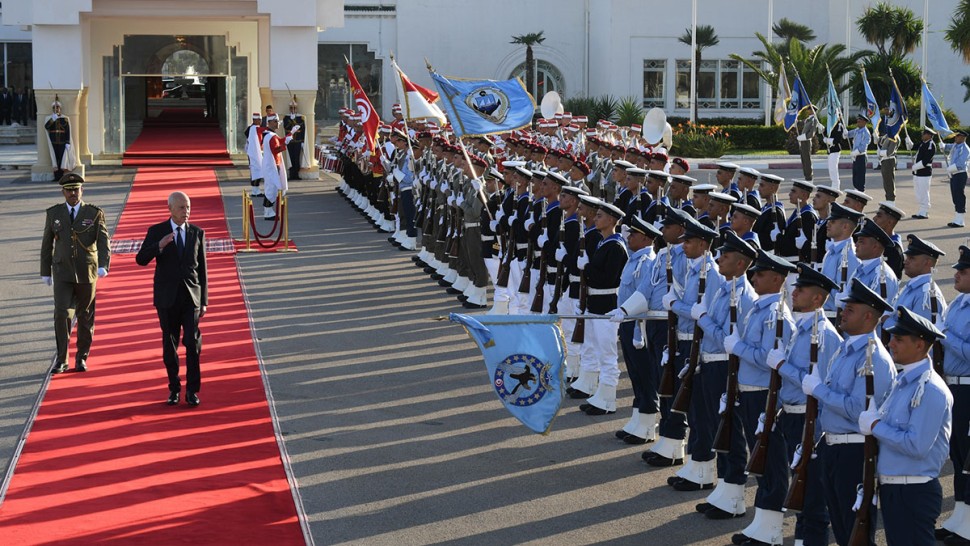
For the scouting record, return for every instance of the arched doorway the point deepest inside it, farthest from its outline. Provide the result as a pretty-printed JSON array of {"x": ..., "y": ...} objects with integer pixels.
[
  {"x": 180, "y": 81},
  {"x": 548, "y": 78}
]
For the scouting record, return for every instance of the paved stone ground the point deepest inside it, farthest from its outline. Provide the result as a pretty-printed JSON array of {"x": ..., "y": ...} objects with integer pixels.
[{"x": 393, "y": 432}]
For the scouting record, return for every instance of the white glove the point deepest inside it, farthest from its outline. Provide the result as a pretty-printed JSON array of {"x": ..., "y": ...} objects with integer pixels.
[
  {"x": 668, "y": 300},
  {"x": 775, "y": 358},
  {"x": 47, "y": 280},
  {"x": 722, "y": 403},
  {"x": 582, "y": 262},
  {"x": 854, "y": 154},
  {"x": 295, "y": 129},
  {"x": 543, "y": 239},
  {"x": 499, "y": 214},
  {"x": 288, "y": 139},
  {"x": 828, "y": 141},
  {"x": 639, "y": 343},
  {"x": 866, "y": 420},
  {"x": 952, "y": 169},
  {"x": 730, "y": 342},
  {"x": 102, "y": 272},
  {"x": 624, "y": 231},
  {"x": 800, "y": 241},
  {"x": 809, "y": 383},
  {"x": 774, "y": 234},
  {"x": 476, "y": 185},
  {"x": 493, "y": 225},
  {"x": 882, "y": 154},
  {"x": 434, "y": 183},
  {"x": 658, "y": 224},
  {"x": 529, "y": 223},
  {"x": 398, "y": 174},
  {"x": 459, "y": 200},
  {"x": 560, "y": 252},
  {"x": 451, "y": 200},
  {"x": 697, "y": 311},
  {"x": 513, "y": 218},
  {"x": 801, "y": 138},
  {"x": 918, "y": 165},
  {"x": 909, "y": 143},
  {"x": 664, "y": 358},
  {"x": 683, "y": 369},
  {"x": 616, "y": 315}
]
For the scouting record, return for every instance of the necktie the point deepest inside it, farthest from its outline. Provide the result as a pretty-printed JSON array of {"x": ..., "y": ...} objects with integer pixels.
[
  {"x": 178, "y": 240},
  {"x": 72, "y": 214}
]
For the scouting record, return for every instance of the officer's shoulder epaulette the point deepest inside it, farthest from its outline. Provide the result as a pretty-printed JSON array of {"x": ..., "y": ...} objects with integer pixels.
[
  {"x": 95, "y": 207},
  {"x": 54, "y": 207}
]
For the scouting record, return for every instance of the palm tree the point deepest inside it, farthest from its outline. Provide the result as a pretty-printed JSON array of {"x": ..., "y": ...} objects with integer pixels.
[
  {"x": 529, "y": 40},
  {"x": 897, "y": 26},
  {"x": 810, "y": 63},
  {"x": 706, "y": 37},
  {"x": 958, "y": 33}
]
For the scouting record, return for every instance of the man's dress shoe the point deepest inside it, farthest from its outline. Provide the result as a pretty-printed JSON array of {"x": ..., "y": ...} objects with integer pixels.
[
  {"x": 173, "y": 399},
  {"x": 192, "y": 399}
]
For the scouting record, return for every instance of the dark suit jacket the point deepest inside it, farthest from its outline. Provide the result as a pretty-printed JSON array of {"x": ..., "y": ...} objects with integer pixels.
[{"x": 172, "y": 271}]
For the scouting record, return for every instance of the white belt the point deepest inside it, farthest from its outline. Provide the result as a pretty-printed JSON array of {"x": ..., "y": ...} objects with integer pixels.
[
  {"x": 602, "y": 291},
  {"x": 552, "y": 269},
  {"x": 957, "y": 380},
  {"x": 685, "y": 337},
  {"x": 791, "y": 259},
  {"x": 830, "y": 314},
  {"x": 472, "y": 224},
  {"x": 521, "y": 246},
  {"x": 793, "y": 410},
  {"x": 903, "y": 480},
  {"x": 656, "y": 315},
  {"x": 750, "y": 388},
  {"x": 836, "y": 439},
  {"x": 959, "y": 172},
  {"x": 714, "y": 357},
  {"x": 488, "y": 237},
  {"x": 575, "y": 278}
]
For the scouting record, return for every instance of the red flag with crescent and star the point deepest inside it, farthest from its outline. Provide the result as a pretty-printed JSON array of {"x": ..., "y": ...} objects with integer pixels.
[{"x": 369, "y": 120}]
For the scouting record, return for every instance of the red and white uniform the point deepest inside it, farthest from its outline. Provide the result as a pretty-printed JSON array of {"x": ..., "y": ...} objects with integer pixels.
[{"x": 274, "y": 171}]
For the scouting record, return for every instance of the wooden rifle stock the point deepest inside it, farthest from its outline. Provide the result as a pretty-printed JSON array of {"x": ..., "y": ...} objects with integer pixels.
[
  {"x": 560, "y": 272},
  {"x": 667, "y": 381},
  {"x": 579, "y": 332},
  {"x": 862, "y": 528},
  {"x": 541, "y": 280},
  {"x": 795, "y": 500},
  {"x": 759, "y": 455},
  {"x": 527, "y": 270},
  {"x": 455, "y": 242},
  {"x": 722, "y": 438},
  {"x": 682, "y": 400}
]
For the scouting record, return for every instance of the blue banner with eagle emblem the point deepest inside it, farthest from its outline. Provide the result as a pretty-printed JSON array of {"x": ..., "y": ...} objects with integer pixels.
[
  {"x": 484, "y": 107},
  {"x": 524, "y": 356}
]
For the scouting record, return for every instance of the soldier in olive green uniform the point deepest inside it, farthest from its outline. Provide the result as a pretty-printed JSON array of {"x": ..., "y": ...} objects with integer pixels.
[{"x": 74, "y": 253}]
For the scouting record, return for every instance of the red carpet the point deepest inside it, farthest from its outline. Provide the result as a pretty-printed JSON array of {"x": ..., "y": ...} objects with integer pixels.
[
  {"x": 165, "y": 145},
  {"x": 108, "y": 462}
]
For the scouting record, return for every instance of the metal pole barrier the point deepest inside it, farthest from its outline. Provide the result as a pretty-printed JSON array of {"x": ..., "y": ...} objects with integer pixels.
[
  {"x": 284, "y": 205},
  {"x": 247, "y": 204}
]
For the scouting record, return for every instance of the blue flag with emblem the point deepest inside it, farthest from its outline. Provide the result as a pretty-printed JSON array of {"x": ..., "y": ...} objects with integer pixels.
[
  {"x": 872, "y": 107},
  {"x": 897, "y": 116},
  {"x": 934, "y": 114},
  {"x": 833, "y": 110},
  {"x": 524, "y": 356},
  {"x": 799, "y": 101},
  {"x": 484, "y": 107}
]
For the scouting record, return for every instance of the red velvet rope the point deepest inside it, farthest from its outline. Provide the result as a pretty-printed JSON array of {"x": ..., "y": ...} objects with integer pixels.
[{"x": 276, "y": 222}]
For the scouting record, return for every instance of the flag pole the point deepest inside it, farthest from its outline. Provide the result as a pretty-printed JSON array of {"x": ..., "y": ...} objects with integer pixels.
[{"x": 926, "y": 16}]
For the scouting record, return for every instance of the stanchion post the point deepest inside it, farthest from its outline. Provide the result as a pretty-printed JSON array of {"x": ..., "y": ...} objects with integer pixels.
[
  {"x": 247, "y": 203},
  {"x": 285, "y": 212}
]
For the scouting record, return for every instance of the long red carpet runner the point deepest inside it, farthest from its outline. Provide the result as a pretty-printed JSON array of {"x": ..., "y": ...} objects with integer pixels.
[
  {"x": 108, "y": 462},
  {"x": 178, "y": 137}
]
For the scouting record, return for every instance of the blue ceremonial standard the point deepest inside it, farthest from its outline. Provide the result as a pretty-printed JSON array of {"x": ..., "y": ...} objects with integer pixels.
[
  {"x": 524, "y": 357},
  {"x": 934, "y": 114},
  {"x": 484, "y": 107},
  {"x": 897, "y": 117},
  {"x": 798, "y": 102}
]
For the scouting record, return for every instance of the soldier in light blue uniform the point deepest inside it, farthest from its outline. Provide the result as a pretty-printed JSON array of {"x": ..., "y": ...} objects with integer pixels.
[
  {"x": 861, "y": 138},
  {"x": 957, "y": 170},
  {"x": 648, "y": 301},
  {"x": 839, "y": 250},
  {"x": 840, "y": 389},
  {"x": 873, "y": 271},
  {"x": 920, "y": 259},
  {"x": 956, "y": 366},
  {"x": 913, "y": 430},
  {"x": 793, "y": 363},
  {"x": 714, "y": 316},
  {"x": 640, "y": 428},
  {"x": 757, "y": 335},
  {"x": 700, "y": 471}
]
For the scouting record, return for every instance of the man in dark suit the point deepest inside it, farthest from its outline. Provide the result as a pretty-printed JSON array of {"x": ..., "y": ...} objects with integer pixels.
[
  {"x": 74, "y": 253},
  {"x": 6, "y": 105},
  {"x": 180, "y": 292},
  {"x": 21, "y": 104}
]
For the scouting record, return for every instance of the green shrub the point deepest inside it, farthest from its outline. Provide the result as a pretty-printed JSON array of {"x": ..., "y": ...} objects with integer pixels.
[
  {"x": 756, "y": 137},
  {"x": 629, "y": 112},
  {"x": 695, "y": 140}
]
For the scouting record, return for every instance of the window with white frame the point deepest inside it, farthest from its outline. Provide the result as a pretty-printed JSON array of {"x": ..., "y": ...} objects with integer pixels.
[
  {"x": 654, "y": 83},
  {"x": 721, "y": 85}
]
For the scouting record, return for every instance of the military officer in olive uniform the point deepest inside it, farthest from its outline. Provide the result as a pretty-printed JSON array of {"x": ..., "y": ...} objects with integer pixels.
[
  {"x": 75, "y": 251},
  {"x": 294, "y": 126}
]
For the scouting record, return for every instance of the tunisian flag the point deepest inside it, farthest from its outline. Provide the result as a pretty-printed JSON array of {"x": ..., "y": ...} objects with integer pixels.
[{"x": 368, "y": 117}]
